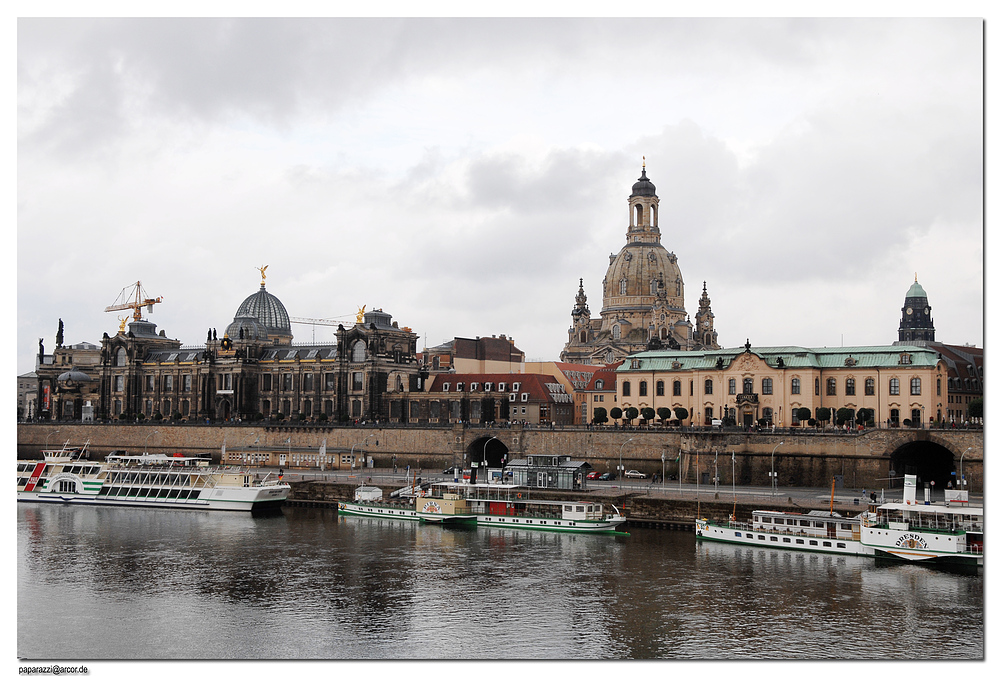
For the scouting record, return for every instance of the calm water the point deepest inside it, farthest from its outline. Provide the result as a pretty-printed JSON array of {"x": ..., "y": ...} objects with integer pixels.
[{"x": 130, "y": 583}]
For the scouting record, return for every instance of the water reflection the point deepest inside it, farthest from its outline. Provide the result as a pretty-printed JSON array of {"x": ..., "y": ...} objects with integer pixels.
[{"x": 111, "y": 583}]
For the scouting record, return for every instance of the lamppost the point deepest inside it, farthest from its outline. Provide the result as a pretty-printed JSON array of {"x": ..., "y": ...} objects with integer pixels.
[
  {"x": 486, "y": 463},
  {"x": 365, "y": 441},
  {"x": 145, "y": 443},
  {"x": 663, "y": 464},
  {"x": 773, "y": 475},
  {"x": 621, "y": 467},
  {"x": 47, "y": 438},
  {"x": 961, "y": 471}
]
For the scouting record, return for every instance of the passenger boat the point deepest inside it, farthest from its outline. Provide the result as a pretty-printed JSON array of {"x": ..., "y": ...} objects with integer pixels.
[
  {"x": 511, "y": 506},
  {"x": 497, "y": 505},
  {"x": 815, "y": 531},
  {"x": 924, "y": 532},
  {"x": 439, "y": 507},
  {"x": 901, "y": 531},
  {"x": 67, "y": 476}
]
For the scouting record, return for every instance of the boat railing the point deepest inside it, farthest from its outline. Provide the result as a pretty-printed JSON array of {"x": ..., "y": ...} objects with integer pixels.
[{"x": 757, "y": 528}]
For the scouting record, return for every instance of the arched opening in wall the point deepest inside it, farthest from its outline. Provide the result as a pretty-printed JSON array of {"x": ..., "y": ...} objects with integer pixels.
[
  {"x": 928, "y": 460},
  {"x": 654, "y": 220},
  {"x": 223, "y": 410},
  {"x": 490, "y": 449},
  {"x": 638, "y": 215}
]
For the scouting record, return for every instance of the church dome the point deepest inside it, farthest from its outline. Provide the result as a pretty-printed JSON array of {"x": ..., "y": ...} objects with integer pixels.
[
  {"x": 643, "y": 187},
  {"x": 639, "y": 273},
  {"x": 250, "y": 326},
  {"x": 269, "y": 311}
]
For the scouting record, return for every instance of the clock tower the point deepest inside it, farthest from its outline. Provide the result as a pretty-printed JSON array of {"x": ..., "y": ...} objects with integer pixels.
[{"x": 916, "y": 322}]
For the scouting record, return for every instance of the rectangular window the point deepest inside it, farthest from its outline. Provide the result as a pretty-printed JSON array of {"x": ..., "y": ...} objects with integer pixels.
[
  {"x": 732, "y": 386},
  {"x": 659, "y": 388},
  {"x": 816, "y": 387},
  {"x": 626, "y": 389},
  {"x": 869, "y": 387},
  {"x": 796, "y": 386},
  {"x": 894, "y": 386},
  {"x": 357, "y": 382},
  {"x": 265, "y": 382},
  {"x": 187, "y": 383},
  {"x": 708, "y": 386},
  {"x": 767, "y": 386},
  {"x": 915, "y": 386},
  {"x": 677, "y": 388},
  {"x": 849, "y": 387},
  {"x": 643, "y": 388},
  {"x": 524, "y": 396},
  {"x": 831, "y": 387},
  {"x": 168, "y": 383},
  {"x": 307, "y": 382}
]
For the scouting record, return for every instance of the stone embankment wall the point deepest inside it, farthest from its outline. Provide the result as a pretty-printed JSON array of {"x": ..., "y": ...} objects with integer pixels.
[{"x": 802, "y": 459}]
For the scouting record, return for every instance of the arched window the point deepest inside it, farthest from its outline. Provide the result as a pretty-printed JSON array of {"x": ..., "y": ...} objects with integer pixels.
[
  {"x": 358, "y": 351},
  {"x": 638, "y": 215},
  {"x": 399, "y": 384},
  {"x": 626, "y": 388},
  {"x": 616, "y": 333},
  {"x": 583, "y": 336},
  {"x": 623, "y": 287},
  {"x": 121, "y": 357},
  {"x": 652, "y": 287},
  {"x": 599, "y": 385}
]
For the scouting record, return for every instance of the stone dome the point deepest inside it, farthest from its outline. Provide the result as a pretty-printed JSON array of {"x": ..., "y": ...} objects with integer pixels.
[
  {"x": 269, "y": 311},
  {"x": 639, "y": 264},
  {"x": 643, "y": 187},
  {"x": 251, "y": 327}
]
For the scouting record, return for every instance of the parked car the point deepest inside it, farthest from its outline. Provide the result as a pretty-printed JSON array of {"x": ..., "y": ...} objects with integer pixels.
[
  {"x": 634, "y": 474},
  {"x": 594, "y": 475},
  {"x": 607, "y": 476}
]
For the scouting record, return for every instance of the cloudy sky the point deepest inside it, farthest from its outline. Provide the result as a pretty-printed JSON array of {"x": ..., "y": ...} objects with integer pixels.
[{"x": 463, "y": 175}]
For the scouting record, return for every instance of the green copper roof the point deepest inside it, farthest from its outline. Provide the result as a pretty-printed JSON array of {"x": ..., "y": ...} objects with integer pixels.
[
  {"x": 792, "y": 357},
  {"x": 916, "y": 291}
]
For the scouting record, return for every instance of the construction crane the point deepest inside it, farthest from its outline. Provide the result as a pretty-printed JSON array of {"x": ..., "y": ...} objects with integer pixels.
[
  {"x": 132, "y": 298},
  {"x": 317, "y": 322}
]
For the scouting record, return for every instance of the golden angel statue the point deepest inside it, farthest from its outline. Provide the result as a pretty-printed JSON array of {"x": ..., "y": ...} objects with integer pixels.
[
  {"x": 361, "y": 314},
  {"x": 262, "y": 275}
]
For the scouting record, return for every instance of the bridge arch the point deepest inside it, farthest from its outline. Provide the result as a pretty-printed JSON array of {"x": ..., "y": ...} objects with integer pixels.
[
  {"x": 929, "y": 460},
  {"x": 491, "y": 449}
]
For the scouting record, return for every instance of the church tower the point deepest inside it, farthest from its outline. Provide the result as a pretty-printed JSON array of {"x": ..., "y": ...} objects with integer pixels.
[
  {"x": 916, "y": 322},
  {"x": 643, "y": 295},
  {"x": 704, "y": 322}
]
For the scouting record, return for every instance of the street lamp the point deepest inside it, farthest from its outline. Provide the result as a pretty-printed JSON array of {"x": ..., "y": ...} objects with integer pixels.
[
  {"x": 47, "y": 438},
  {"x": 621, "y": 467},
  {"x": 961, "y": 472},
  {"x": 365, "y": 441},
  {"x": 773, "y": 476},
  {"x": 145, "y": 443}
]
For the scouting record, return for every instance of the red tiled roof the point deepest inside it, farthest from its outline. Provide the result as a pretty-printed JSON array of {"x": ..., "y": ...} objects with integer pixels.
[{"x": 535, "y": 384}]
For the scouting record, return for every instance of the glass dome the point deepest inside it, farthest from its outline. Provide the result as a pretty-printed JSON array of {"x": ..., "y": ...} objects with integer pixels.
[{"x": 269, "y": 311}]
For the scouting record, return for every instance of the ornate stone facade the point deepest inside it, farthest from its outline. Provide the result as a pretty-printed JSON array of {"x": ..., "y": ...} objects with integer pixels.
[{"x": 643, "y": 296}]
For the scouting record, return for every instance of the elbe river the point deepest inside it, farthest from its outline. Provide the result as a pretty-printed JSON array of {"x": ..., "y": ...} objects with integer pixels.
[{"x": 140, "y": 584}]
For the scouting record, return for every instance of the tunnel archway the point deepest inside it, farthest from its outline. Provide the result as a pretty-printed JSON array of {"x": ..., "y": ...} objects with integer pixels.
[
  {"x": 490, "y": 449},
  {"x": 928, "y": 460}
]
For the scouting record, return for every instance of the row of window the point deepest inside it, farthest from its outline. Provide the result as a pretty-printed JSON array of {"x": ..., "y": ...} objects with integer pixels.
[{"x": 767, "y": 387}]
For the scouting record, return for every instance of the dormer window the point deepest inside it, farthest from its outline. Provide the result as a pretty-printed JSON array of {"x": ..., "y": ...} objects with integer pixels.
[
  {"x": 599, "y": 385},
  {"x": 517, "y": 386},
  {"x": 488, "y": 387},
  {"x": 904, "y": 358},
  {"x": 524, "y": 396},
  {"x": 502, "y": 387},
  {"x": 459, "y": 387},
  {"x": 445, "y": 387},
  {"x": 473, "y": 387}
]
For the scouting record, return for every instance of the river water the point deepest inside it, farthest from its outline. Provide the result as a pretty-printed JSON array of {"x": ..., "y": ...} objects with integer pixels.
[{"x": 134, "y": 583}]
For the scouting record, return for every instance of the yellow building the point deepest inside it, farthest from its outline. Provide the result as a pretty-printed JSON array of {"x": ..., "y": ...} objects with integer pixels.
[{"x": 896, "y": 385}]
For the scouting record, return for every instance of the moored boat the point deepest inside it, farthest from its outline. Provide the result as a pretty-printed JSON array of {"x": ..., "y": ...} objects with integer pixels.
[
  {"x": 924, "y": 532},
  {"x": 66, "y": 476},
  {"x": 496, "y": 505},
  {"x": 816, "y": 530},
  {"x": 441, "y": 508}
]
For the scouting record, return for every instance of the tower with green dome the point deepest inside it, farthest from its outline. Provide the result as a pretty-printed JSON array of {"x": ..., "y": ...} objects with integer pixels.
[{"x": 916, "y": 322}]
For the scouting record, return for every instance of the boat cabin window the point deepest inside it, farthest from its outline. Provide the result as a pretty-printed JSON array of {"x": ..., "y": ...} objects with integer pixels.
[
  {"x": 765, "y": 519},
  {"x": 777, "y": 520}
]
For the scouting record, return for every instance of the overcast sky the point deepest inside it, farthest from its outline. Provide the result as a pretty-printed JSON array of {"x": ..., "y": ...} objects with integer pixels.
[{"x": 463, "y": 175}]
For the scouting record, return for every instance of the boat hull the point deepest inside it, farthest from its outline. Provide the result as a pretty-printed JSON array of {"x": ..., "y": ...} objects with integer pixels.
[
  {"x": 706, "y": 530},
  {"x": 229, "y": 500},
  {"x": 609, "y": 526},
  {"x": 403, "y": 514}
]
